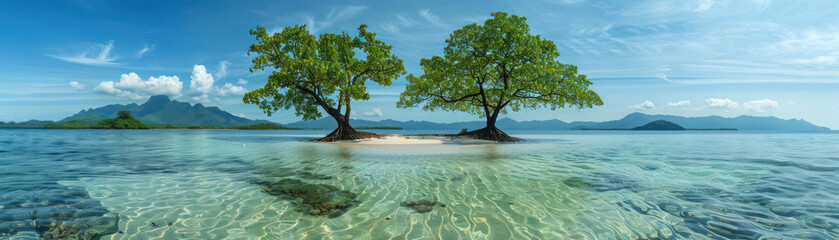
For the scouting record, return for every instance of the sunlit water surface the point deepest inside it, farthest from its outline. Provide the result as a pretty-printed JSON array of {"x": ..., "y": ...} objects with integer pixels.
[{"x": 200, "y": 184}]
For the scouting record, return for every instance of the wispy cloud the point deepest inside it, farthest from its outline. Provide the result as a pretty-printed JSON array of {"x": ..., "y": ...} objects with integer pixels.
[
  {"x": 76, "y": 86},
  {"x": 430, "y": 17},
  {"x": 91, "y": 57},
  {"x": 819, "y": 60},
  {"x": 763, "y": 4},
  {"x": 704, "y": 5},
  {"x": 334, "y": 16},
  {"x": 222, "y": 69},
  {"x": 147, "y": 48}
]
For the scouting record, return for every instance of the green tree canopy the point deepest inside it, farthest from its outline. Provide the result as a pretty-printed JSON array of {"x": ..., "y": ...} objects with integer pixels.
[
  {"x": 325, "y": 72},
  {"x": 489, "y": 69},
  {"x": 124, "y": 114}
]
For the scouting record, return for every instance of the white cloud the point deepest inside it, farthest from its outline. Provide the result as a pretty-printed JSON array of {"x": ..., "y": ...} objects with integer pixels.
[
  {"x": 230, "y": 89},
  {"x": 377, "y": 112},
  {"x": 760, "y": 105},
  {"x": 643, "y": 106},
  {"x": 721, "y": 103},
  {"x": 222, "y": 69},
  {"x": 145, "y": 50},
  {"x": 202, "y": 86},
  {"x": 201, "y": 81},
  {"x": 101, "y": 59},
  {"x": 242, "y": 81},
  {"x": 241, "y": 115},
  {"x": 430, "y": 17},
  {"x": 333, "y": 17},
  {"x": 402, "y": 21},
  {"x": 683, "y": 103},
  {"x": 131, "y": 86},
  {"x": 76, "y": 86}
]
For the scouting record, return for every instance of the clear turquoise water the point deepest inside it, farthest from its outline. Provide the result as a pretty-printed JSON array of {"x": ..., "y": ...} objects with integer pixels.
[{"x": 198, "y": 184}]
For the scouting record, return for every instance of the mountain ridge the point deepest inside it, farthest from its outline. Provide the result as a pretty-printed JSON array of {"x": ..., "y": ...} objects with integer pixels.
[
  {"x": 743, "y": 122},
  {"x": 160, "y": 110}
]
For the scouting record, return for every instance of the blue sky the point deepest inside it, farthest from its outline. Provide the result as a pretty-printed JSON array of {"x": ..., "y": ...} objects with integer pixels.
[{"x": 689, "y": 58}]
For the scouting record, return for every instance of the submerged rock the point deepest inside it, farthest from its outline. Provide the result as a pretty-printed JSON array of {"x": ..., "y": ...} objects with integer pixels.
[
  {"x": 313, "y": 176},
  {"x": 421, "y": 206},
  {"x": 602, "y": 182},
  {"x": 315, "y": 199},
  {"x": 81, "y": 228},
  {"x": 55, "y": 214}
]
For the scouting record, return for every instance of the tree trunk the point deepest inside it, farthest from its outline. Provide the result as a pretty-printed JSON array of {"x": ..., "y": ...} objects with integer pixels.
[
  {"x": 344, "y": 130},
  {"x": 490, "y": 132}
]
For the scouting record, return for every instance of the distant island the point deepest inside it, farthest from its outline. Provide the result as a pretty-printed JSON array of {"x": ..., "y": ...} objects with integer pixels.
[
  {"x": 124, "y": 120},
  {"x": 160, "y": 112},
  {"x": 660, "y": 125}
]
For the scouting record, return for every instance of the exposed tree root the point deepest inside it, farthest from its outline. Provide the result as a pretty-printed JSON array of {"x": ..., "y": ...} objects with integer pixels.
[
  {"x": 492, "y": 134},
  {"x": 346, "y": 133}
]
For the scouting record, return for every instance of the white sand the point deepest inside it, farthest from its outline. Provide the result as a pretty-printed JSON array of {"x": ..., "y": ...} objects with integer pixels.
[{"x": 415, "y": 142}]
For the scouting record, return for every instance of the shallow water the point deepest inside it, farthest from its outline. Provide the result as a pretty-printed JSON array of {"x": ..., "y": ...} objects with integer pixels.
[{"x": 202, "y": 184}]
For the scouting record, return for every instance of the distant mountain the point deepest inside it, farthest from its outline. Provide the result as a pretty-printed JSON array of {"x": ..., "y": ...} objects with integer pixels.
[
  {"x": 712, "y": 122},
  {"x": 659, "y": 125},
  {"x": 160, "y": 110},
  {"x": 628, "y": 122},
  {"x": 26, "y": 124}
]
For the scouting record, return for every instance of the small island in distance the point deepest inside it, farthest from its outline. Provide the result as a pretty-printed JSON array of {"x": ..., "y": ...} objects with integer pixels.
[
  {"x": 663, "y": 125},
  {"x": 124, "y": 120},
  {"x": 660, "y": 125}
]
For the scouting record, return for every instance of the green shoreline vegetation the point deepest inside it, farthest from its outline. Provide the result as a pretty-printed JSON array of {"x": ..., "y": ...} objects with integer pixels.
[{"x": 124, "y": 120}]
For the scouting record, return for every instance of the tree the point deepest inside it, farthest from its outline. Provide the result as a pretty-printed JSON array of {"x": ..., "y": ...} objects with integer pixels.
[
  {"x": 124, "y": 114},
  {"x": 325, "y": 72},
  {"x": 489, "y": 69}
]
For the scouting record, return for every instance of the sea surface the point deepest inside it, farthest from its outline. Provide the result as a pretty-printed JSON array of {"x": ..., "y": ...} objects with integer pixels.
[{"x": 211, "y": 184}]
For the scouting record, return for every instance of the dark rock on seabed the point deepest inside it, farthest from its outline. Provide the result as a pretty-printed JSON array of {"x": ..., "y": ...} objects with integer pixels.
[
  {"x": 422, "y": 206},
  {"x": 55, "y": 214},
  {"x": 315, "y": 199}
]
